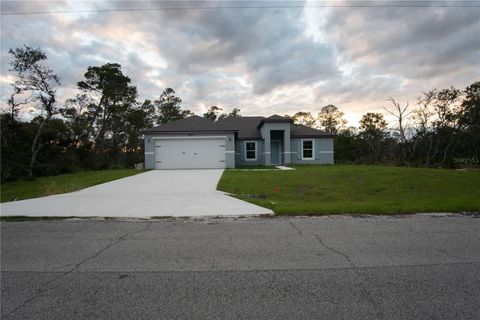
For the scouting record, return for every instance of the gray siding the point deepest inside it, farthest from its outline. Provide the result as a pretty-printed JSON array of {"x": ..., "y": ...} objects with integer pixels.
[
  {"x": 265, "y": 130},
  {"x": 240, "y": 153},
  {"x": 323, "y": 151},
  {"x": 230, "y": 150},
  {"x": 235, "y": 153},
  {"x": 149, "y": 152},
  {"x": 150, "y": 148}
]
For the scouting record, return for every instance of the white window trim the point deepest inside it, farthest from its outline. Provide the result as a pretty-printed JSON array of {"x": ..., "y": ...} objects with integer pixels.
[
  {"x": 313, "y": 149},
  {"x": 245, "y": 150}
]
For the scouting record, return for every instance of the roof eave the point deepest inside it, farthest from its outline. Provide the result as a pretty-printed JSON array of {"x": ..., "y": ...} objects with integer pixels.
[
  {"x": 250, "y": 138},
  {"x": 312, "y": 136},
  {"x": 274, "y": 121},
  {"x": 188, "y": 131}
]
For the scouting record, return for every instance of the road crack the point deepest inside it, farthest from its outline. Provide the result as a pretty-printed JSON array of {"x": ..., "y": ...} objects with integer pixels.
[
  {"x": 346, "y": 257},
  {"x": 44, "y": 288},
  {"x": 363, "y": 279},
  {"x": 300, "y": 233},
  {"x": 116, "y": 242}
]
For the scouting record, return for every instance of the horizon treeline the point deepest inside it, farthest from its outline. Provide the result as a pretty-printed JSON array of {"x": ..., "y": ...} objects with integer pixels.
[{"x": 101, "y": 126}]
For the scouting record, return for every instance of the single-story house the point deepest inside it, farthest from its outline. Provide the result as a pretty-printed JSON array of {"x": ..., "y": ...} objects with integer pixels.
[{"x": 199, "y": 143}]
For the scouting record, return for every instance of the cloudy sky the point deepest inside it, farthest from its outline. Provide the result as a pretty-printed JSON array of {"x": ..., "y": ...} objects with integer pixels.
[{"x": 262, "y": 57}]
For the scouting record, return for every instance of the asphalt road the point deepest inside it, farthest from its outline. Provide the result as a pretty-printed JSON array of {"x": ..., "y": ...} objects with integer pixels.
[{"x": 415, "y": 267}]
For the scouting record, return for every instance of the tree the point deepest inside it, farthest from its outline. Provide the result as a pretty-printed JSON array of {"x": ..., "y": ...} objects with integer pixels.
[
  {"x": 372, "y": 131},
  {"x": 78, "y": 121},
  {"x": 469, "y": 122},
  {"x": 169, "y": 107},
  {"x": 331, "y": 119},
  {"x": 445, "y": 108},
  {"x": 424, "y": 135},
  {"x": 38, "y": 82},
  {"x": 14, "y": 103},
  {"x": 346, "y": 145},
  {"x": 138, "y": 118},
  {"x": 233, "y": 114},
  {"x": 304, "y": 118},
  {"x": 15, "y": 143},
  {"x": 212, "y": 113},
  {"x": 471, "y": 106},
  {"x": 402, "y": 115},
  {"x": 373, "y": 124},
  {"x": 107, "y": 97},
  {"x": 470, "y": 118},
  {"x": 57, "y": 156}
]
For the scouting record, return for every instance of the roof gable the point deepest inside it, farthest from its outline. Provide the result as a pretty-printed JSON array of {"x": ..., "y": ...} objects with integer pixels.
[{"x": 276, "y": 118}]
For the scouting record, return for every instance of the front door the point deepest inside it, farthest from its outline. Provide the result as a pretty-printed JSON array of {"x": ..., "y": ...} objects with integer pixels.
[{"x": 275, "y": 153}]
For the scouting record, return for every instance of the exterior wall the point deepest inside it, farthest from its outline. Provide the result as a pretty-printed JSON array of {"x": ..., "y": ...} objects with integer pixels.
[
  {"x": 235, "y": 152},
  {"x": 149, "y": 152},
  {"x": 265, "y": 130},
  {"x": 323, "y": 151},
  {"x": 240, "y": 153},
  {"x": 150, "y": 147},
  {"x": 230, "y": 150}
]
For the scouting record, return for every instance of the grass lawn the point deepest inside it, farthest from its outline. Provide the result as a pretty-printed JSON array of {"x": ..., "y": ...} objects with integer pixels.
[
  {"x": 45, "y": 186},
  {"x": 337, "y": 189}
]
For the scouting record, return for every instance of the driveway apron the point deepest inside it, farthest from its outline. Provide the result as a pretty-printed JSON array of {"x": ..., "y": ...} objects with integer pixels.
[{"x": 156, "y": 193}]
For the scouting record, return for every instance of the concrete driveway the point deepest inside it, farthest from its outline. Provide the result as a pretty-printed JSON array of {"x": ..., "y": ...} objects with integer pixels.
[{"x": 152, "y": 194}]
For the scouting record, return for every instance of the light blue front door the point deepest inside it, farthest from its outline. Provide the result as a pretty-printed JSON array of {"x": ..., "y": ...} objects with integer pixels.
[{"x": 275, "y": 152}]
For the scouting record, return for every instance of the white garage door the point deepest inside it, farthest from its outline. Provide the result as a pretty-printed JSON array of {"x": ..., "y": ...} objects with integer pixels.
[{"x": 190, "y": 153}]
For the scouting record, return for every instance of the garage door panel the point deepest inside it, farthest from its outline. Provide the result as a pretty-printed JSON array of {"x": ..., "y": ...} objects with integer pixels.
[
  {"x": 190, "y": 153},
  {"x": 179, "y": 143}
]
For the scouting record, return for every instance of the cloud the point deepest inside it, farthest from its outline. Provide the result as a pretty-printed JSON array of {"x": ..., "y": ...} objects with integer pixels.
[
  {"x": 416, "y": 43},
  {"x": 263, "y": 61}
]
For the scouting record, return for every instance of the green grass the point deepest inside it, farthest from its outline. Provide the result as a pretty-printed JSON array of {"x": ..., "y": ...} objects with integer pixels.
[
  {"x": 354, "y": 189},
  {"x": 45, "y": 186}
]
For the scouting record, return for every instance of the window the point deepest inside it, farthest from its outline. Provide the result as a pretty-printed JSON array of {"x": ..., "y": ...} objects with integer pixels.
[
  {"x": 307, "y": 149},
  {"x": 250, "y": 150}
]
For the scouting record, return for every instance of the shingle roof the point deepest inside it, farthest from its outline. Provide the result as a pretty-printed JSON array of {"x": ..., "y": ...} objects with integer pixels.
[
  {"x": 246, "y": 127},
  {"x": 277, "y": 118},
  {"x": 249, "y": 127},
  {"x": 299, "y": 131},
  {"x": 190, "y": 124}
]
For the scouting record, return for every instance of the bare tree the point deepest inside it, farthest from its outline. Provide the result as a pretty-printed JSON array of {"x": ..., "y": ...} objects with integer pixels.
[
  {"x": 401, "y": 114},
  {"x": 423, "y": 117}
]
